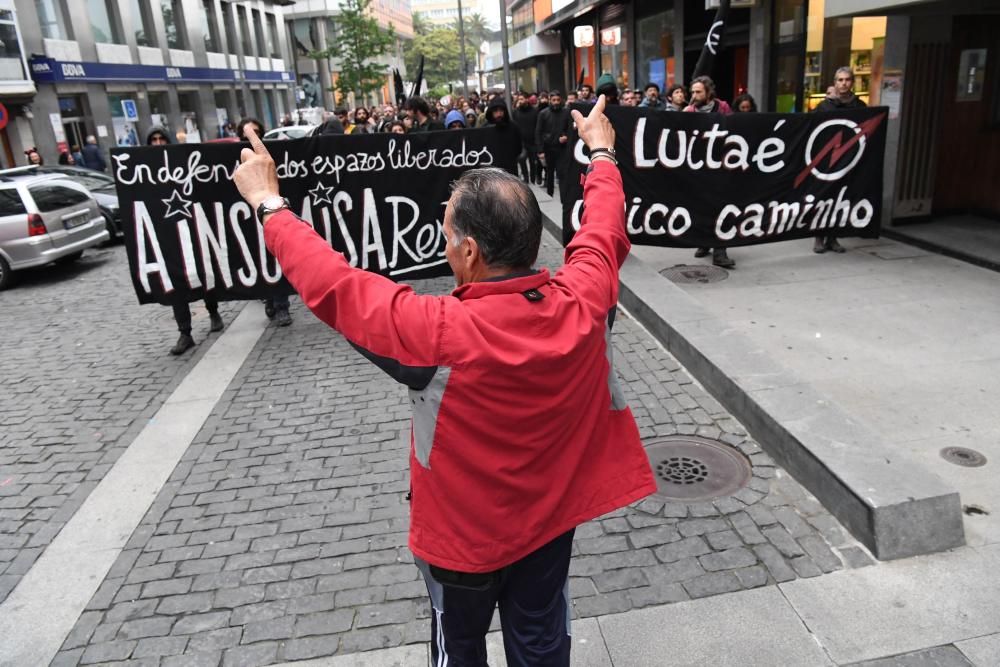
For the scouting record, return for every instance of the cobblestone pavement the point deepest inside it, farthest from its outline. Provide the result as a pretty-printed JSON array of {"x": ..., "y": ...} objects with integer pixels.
[
  {"x": 281, "y": 535},
  {"x": 83, "y": 368}
]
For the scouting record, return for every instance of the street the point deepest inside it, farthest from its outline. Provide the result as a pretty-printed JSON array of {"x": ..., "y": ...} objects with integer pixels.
[{"x": 280, "y": 533}]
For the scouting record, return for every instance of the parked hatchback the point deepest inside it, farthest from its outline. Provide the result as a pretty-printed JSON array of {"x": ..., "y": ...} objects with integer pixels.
[
  {"x": 100, "y": 186},
  {"x": 43, "y": 219}
]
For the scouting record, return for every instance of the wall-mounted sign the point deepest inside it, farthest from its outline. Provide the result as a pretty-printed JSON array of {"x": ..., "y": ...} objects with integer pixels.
[
  {"x": 971, "y": 74},
  {"x": 611, "y": 36},
  {"x": 583, "y": 36}
]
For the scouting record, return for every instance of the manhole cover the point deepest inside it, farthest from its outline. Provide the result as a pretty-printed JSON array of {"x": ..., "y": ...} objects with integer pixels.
[
  {"x": 699, "y": 273},
  {"x": 689, "y": 468},
  {"x": 963, "y": 456}
]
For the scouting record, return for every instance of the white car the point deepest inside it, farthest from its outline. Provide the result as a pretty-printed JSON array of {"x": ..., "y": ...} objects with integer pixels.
[{"x": 290, "y": 132}]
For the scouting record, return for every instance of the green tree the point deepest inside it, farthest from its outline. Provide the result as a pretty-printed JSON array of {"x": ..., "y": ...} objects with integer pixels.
[
  {"x": 356, "y": 42},
  {"x": 439, "y": 47}
]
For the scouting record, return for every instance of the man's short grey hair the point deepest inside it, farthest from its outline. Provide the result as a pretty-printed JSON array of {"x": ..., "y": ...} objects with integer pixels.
[
  {"x": 844, "y": 70},
  {"x": 501, "y": 213}
]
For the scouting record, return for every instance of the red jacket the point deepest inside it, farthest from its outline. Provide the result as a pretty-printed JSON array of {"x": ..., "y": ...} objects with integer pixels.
[{"x": 519, "y": 430}]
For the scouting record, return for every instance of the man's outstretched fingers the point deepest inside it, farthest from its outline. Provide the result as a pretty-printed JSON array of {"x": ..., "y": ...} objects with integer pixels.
[
  {"x": 255, "y": 142},
  {"x": 246, "y": 154},
  {"x": 599, "y": 106}
]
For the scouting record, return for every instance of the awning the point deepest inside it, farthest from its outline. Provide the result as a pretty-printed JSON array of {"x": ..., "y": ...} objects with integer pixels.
[
  {"x": 529, "y": 48},
  {"x": 835, "y": 8}
]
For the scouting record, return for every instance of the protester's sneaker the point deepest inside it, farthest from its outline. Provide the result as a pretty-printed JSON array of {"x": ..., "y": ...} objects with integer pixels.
[
  {"x": 701, "y": 252},
  {"x": 819, "y": 248},
  {"x": 184, "y": 343},
  {"x": 269, "y": 309},
  {"x": 217, "y": 323},
  {"x": 283, "y": 319}
]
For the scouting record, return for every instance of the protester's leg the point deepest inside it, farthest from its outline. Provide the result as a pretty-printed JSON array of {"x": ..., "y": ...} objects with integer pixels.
[
  {"x": 522, "y": 167},
  {"x": 213, "y": 314},
  {"x": 534, "y": 606},
  {"x": 833, "y": 245},
  {"x": 281, "y": 310},
  {"x": 460, "y": 619},
  {"x": 550, "y": 172},
  {"x": 819, "y": 245},
  {"x": 536, "y": 169},
  {"x": 182, "y": 315},
  {"x": 702, "y": 252}
]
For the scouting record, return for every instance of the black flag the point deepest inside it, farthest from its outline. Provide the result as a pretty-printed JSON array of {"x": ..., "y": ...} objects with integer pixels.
[
  {"x": 713, "y": 41},
  {"x": 399, "y": 90},
  {"x": 579, "y": 83},
  {"x": 417, "y": 81}
]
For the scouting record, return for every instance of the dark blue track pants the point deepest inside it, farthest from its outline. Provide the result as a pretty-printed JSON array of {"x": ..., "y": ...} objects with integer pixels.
[{"x": 533, "y": 596}]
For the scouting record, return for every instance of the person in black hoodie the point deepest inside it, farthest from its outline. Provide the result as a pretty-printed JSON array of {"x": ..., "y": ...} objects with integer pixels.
[
  {"x": 498, "y": 115},
  {"x": 841, "y": 97},
  {"x": 158, "y": 136},
  {"x": 526, "y": 118},
  {"x": 551, "y": 135}
]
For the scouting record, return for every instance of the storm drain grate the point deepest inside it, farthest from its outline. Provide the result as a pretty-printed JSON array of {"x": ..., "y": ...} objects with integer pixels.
[
  {"x": 686, "y": 273},
  {"x": 963, "y": 456},
  {"x": 689, "y": 468}
]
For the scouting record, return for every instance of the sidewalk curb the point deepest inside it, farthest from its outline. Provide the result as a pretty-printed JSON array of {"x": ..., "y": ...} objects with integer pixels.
[{"x": 893, "y": 507}]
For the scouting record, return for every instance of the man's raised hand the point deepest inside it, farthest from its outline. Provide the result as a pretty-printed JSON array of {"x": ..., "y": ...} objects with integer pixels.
[
  {"x": 595, "y": 130},
  {"x": 256, "y": 178}
]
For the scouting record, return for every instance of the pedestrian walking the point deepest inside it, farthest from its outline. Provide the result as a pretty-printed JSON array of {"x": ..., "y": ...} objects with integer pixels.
[
  {"x": 551, "y": 136},
  {"x": 159, "y": 136},
  {"x": 92, "y": 156},
  {"x": 511, "y": 372}
]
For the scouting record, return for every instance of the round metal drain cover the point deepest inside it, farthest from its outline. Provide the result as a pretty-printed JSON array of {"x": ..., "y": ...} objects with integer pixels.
[
  {"x": 689, "y": 468},
  {"x": 963, "y": 456},
  {"x": 698, "y": 273}
]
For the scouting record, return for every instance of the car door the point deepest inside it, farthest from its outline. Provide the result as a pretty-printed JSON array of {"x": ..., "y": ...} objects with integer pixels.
[{"x": 65, "y": 210}]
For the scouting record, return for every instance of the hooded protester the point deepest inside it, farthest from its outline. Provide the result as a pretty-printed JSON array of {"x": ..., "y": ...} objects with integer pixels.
[
  {"x": 454, "y": 120},
  {"x": 158, "y": 136},
  {"x": 498, "y": 115}
]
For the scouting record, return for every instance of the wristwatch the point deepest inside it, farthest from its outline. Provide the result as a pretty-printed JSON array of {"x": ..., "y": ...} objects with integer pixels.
[{"x": 271, "y": 205}]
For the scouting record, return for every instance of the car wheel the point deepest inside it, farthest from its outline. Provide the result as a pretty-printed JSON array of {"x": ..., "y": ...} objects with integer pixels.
[
  {"x": 6, "y": 276},
  {"x": 69, "y": 259},
  {"x": 112, "y": 228}
]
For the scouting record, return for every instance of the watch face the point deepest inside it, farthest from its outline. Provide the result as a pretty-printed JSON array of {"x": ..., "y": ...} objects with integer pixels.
[{"x": 272, "y": 203}]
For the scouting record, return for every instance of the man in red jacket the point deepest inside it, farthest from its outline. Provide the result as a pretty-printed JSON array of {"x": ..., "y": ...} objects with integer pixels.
[{"x": 520, "y": 431}]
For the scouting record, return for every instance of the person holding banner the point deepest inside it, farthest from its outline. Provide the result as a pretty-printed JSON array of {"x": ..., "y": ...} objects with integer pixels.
[
  {"x": 703, "y": 100},
  {"x": 520, "y": 431},
  {"x": 158, "y": 136},
  {"x": 840, "y": 97}
]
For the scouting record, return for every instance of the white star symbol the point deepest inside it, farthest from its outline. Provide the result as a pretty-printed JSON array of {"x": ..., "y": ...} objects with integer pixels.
[
  {"x": 320, "y": 194},
  {"x": 177, "y": 205}
]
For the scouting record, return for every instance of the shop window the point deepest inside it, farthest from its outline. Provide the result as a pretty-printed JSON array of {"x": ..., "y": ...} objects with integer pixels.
[
  {"x": 142, "y": 24},
  {"x": 158, "y": 109},
  {"x": 654, "y": 50},
  {"x": 50, "y": 19},
  {"x": 858, "y": 43},
  {"x": 173, "y": 23},
  {"x": 614, "y": 54},
  {"x": 103, "y": 22},
  {"x": 788, "y": 43}
]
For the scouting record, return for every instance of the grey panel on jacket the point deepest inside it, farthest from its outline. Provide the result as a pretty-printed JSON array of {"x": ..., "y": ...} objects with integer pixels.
[
  {"x": 617, "y": 396},
  {"x": 426, "y": 403}
]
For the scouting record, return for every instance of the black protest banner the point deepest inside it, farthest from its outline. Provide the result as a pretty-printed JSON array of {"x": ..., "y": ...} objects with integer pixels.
[
  {"x": 378, "y": 198},
  {"x": 708, "y": 180}
]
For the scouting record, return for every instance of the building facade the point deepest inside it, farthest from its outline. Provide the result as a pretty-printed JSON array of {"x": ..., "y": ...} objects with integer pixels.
[
  {"x": 113, "y": 69},
  {"x": 311, "y": 25}
]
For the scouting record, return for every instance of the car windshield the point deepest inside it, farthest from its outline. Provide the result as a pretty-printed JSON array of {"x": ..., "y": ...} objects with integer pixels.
[{"x": 91, "y": 180}]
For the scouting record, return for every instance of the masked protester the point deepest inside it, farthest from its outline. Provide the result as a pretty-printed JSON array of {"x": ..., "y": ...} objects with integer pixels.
[{"x": 498, "y": 116}]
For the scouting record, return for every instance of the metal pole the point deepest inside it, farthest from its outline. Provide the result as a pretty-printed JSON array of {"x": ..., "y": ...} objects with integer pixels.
[
  {"x": 503, "y": 52},
  {"x": 461, "y": 43}
]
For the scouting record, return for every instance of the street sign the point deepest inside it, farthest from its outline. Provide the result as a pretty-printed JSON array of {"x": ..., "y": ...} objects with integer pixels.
[
  {"x": 130, "y": 110},
  {"x": 4, "y": 117}
]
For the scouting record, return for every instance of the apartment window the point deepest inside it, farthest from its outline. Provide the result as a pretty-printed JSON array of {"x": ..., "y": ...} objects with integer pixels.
[
  {"x": 103, "y": 22},
  {"x": 173, "y": 23},
  {"x": 212, "y": 41},
  {"x": 241, "y": 16},
  {"x": 142, "y": 24},
  {"x": 51, "y": 19},
  {"x": 272, "y": 35},
  {"x": 11, "y": 66},
  {"x": 258, "y": 31}
]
